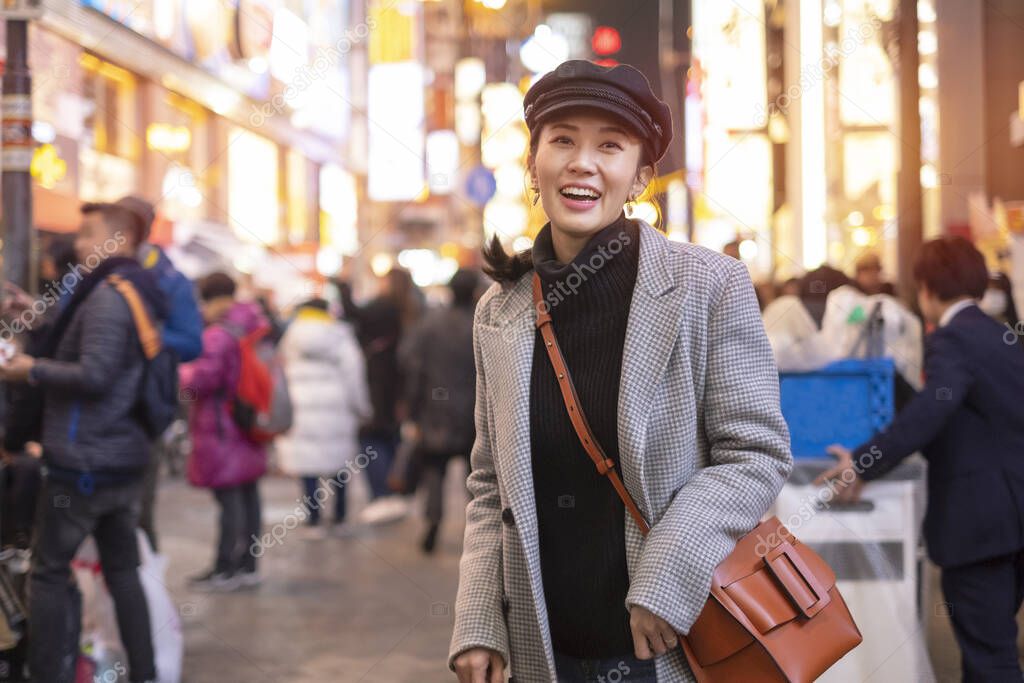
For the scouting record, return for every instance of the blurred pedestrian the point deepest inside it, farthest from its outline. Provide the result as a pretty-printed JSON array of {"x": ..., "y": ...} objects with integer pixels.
[
  {"x": 998, "y": 304},
  {"x": 95, "y": 447},
  {"x": 381, "y": 324},
  {"x": 440, "y": 383},
  {"x": 182, "y": 333},
  {"x": 666, "y": 349},
  {"x": 733, "y": 249},
  {"x": 223, "y": 458},
  {"x": 968, "y": 421},
  {"x": 868, "y": 275},
  {"x": 327, "y": 381}
]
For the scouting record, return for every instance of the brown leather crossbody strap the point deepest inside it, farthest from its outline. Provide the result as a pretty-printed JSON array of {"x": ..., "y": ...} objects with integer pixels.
[{"x": 604, "y": 464}]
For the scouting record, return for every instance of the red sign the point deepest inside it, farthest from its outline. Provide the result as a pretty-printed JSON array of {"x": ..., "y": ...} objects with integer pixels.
[{"x": 606, "y": 40}]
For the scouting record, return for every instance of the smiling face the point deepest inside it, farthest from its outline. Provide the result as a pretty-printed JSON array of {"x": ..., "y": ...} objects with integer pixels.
[{"x": 586, "y": 166}]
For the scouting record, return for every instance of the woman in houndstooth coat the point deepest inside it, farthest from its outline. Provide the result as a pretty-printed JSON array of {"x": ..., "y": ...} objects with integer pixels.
[{"x": 666, "y": 348}]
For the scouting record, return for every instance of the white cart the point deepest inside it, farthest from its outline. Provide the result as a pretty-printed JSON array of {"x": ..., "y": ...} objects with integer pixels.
[{"x": 874, "y": 548}]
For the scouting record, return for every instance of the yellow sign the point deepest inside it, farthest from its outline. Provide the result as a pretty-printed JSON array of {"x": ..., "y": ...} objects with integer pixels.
[
  {"x": 47, "y": 166},
  {"x": 163, "y": 137},
  {"x": 394, "y": 29}
]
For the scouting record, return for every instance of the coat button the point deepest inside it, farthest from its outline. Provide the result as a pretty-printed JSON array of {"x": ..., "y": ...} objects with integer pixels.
[{"x": 507, "y": 517}]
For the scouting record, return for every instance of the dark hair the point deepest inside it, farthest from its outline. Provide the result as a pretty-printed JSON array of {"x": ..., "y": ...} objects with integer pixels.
[
  {"x": 216, "y": 285},
  {"x": 951, "y": 268},
  {"x": 143, "y": 211},
  {"x": 504, "y": 267},
  {"x": 463, "y": 285},
  {"x": 117, "y": 218},
  {"x": 317, "y": 303}
]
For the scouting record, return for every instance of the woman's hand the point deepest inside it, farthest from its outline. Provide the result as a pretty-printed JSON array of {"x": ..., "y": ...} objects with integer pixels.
[
  {"x": 480, "y": 665},
  {"x": 652, "y": 635}
]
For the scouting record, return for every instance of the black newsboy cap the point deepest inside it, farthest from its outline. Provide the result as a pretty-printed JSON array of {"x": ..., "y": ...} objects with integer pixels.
[{"x": 619, "y": 90}]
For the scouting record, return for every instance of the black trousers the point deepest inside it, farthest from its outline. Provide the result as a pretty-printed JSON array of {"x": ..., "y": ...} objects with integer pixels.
[
  {"x": 984, "y": 599},
  {"x": 65, "y": 518},
  {"x": 239, "y": 525},
  {"x": 433, "y": 467}
]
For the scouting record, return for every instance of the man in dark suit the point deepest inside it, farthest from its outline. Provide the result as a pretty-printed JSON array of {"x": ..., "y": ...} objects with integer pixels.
[{"x": 968, "y": 421}]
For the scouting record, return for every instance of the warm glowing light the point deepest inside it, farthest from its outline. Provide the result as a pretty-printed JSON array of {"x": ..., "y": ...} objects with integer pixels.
[
  {"x": 381, "y": 263},
  {"x": 163, "y": 137},
  {"x": 748, "y": 250},
  {"x": 606, "y": 40},
  {"x": 855, "y": 218},
  {"x": 861, "y": 237}
]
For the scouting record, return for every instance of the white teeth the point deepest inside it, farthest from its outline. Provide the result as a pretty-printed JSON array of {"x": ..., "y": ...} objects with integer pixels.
[{"x": 580, "y": 193}]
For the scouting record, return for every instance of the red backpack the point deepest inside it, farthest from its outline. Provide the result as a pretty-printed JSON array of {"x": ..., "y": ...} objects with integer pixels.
[{"x": 261, "y": 406}]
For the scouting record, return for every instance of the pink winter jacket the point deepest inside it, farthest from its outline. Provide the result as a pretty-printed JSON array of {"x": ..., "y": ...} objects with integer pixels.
[{"x": 221, "y": 455}]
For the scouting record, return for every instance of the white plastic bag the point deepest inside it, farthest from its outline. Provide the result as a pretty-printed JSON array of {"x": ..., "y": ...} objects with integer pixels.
[
  {"x": 795, "y": 339},
  {"x": 847, "y": 311},
  {"x": 164, "y": 620},
  {"x": 99, "y": 620}
]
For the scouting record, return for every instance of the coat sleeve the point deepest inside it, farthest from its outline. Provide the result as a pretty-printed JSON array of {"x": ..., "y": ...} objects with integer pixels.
[
  {"x": 354, "y": 374},
  {"x": 479, "y": 618},
  {"x": 107, "y": 329},
  {"x": 208, "y": 374},
  {"x": 183, "y": 329},
  {"x": 750, "y": 460},
  {"x": 947, "y": 382}
]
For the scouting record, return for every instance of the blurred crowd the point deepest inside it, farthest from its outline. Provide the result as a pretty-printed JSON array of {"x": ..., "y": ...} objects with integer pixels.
[
  {"x": 97, "y": 407},
  {"x": 327, "y": 392}
]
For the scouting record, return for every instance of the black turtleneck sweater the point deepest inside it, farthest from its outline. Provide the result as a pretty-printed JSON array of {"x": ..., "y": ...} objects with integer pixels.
[{"x": 580, "y": 518}]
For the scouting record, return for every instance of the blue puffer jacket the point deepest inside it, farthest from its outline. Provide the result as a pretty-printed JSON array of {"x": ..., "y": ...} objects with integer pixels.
[{"x": 183, "y": 329}]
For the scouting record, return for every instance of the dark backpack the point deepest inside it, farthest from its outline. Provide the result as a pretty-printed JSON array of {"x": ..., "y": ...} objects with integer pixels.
[{"x": 158, "y": 401}]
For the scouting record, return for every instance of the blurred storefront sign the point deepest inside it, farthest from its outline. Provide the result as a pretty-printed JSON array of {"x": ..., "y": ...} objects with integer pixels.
[{"x": 396, "y": 135}]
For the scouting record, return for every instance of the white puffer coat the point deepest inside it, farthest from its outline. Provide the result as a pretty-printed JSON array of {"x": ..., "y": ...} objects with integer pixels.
[{"x": 327, "y": 382}]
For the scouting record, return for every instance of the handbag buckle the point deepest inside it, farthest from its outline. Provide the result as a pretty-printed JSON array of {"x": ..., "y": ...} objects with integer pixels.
[{"x": 796, "y": 579}]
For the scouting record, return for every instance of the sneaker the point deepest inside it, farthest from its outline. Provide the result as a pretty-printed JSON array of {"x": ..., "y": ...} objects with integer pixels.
[
  {"x": 249, "y": 579},
  {"x": 214, "y": 581},
  {"x": 385, "y": 510}
]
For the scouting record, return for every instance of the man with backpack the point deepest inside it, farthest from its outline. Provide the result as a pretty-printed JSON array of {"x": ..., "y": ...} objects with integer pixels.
[
  {"x": 93, "y": 372},
  {"x": 182, "y": 334},
  {"x": 227, "y": 454}
]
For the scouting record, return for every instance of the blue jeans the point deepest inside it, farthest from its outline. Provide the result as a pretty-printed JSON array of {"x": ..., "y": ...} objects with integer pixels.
[
  {"x": 624, "y": 669},
  {"x": 310, "y": 485}
]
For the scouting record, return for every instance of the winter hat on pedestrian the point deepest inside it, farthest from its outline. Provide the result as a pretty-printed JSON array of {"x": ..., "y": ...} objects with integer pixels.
[{"x": 621, "y": 90}]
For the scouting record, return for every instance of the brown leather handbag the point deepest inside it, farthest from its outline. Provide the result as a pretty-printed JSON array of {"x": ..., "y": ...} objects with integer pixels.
[{"x": 774, "y": 613}]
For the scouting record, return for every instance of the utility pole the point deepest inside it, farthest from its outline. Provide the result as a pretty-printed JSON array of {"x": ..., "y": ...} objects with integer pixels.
[
  {"x": 909, "y": 202},
  {"x": 16, "y": 156}
]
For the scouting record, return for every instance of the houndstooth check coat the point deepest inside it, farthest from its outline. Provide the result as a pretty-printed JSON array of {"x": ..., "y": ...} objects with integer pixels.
[{"x": 703, "y": 451}]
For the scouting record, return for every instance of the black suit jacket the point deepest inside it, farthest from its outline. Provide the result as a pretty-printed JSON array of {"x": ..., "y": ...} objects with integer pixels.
[{"x": 968, "y": 421}]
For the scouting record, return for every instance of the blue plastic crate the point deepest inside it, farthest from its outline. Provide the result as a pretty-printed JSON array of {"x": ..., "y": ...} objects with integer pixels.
[{"x": 844, "y": 403}]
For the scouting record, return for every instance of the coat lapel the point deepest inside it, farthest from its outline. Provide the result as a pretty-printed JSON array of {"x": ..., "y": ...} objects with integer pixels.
[
  {"x": 508, "y": 356},
  {"x": 651, "y": 334}
]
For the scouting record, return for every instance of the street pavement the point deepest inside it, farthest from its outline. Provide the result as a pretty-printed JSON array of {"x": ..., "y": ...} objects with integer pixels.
[{"x": 367, "y": 607}]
